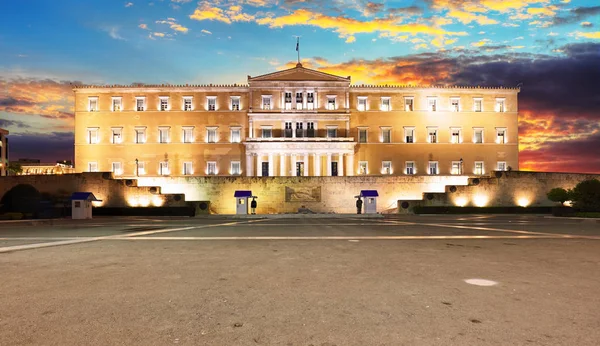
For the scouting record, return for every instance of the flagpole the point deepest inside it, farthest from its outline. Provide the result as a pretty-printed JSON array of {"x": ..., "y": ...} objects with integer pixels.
[{"x": 298, "y": 48}]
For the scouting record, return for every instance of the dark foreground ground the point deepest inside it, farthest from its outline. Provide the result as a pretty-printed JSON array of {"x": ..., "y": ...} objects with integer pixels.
[{"x": 401, "y": 281}]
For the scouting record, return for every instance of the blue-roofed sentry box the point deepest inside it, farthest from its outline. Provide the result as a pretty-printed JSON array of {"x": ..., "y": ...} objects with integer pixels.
[
  {"x": 241, "y": 201},
  {"x": 81, "y": 205},
  {"x": 370, "y": 200}
]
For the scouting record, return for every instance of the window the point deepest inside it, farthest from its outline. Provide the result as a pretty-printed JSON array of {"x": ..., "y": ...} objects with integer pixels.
[
  {"x": 92, "y": 135},
  {"x": 386, "y": 167},
  {"x": 211, "y": 168},
  {"x": 299, "y": 130},
  {"x": 386, "y": 135},
  {"x": 140, "y": 104},
  {"x": 410, "y": 167},
  {"x": 432, "y": 135},
  {"x": 164, "y": 103},
  {"x": 288, "y": 101},
  {"x": 188, "y": 134},
  {"x": 140, "y": 135},
  {"x": 454, "y": 104},
  {"x": 385, "y": 104},
  {"x": 478, "y": 167},
  {"x": 432, "y": 104},
  {"x": 478, "y": 105},
  {"x": 500, "y": 135},
  {"x": 299, "y": 101},
  {"x": 211, "y": 103},
  {"x": 409, "y": 134},
  {"x": 187, "y": 168},
  {"x": 455, "y": 135},
  {"x": 331, "y": 103},
  {"x": 310, "y": 129},
  {"x": 288, "y": 130},
  {"x": 141, "y": 167},
  {"x": 116, "y": 104},
  {"x": 163, "y": 134},
  {"x": 116, "y": 168},
  {"x": 433, "y": 167},
  {"x": 266, "y": 102},
  {"x": 501, "y": 166},
  {"x": 163, "y": 168},
  {"x": 409, "y": 104},
  {"x": 211, "y": 135},
  {"x": 310, "y": 100},
  {"x": 331, "y": 132},
  {"x": 267, "y": 131},
  {"x": 478, "y": 135},
  {"x": 92, "y": 104},
  {"x": 235, "y": 103},
  {"x": 500, "y": 102},
  {"x": 363, "y": 167},
  {"x": 455, "y": 167},
  {"x": 362, "y": 135},
  {"x": 362, "y": 103},
  {"x": 236, "y": 134},
  {"x": 236, "y": 168},
  {"x": 187, "y": 103},
  {"x": 92, "y": 166},
  {"x": 117, "y": 135}
]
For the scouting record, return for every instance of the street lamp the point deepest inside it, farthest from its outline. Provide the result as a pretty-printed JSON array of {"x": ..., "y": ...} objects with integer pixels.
[
  {"x": 461, "y": 166},
  {"x": 137, "y": 168}
]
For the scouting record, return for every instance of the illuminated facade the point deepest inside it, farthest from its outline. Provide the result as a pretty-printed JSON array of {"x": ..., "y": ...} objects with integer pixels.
[
  {"x": 3, "y": 152},
  {"x": 296, "y": 122}
]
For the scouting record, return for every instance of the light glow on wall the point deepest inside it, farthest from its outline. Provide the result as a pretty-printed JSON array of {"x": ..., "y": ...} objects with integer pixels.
[
  {"x": 157, "y": 201},
  {"x": 461, "y": 201},
  {"x": 523, "y": 201},
  {"x": 480, "y": 200}
]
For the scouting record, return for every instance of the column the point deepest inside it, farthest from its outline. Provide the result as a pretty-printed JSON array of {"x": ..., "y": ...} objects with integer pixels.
[
  {"x": 282, "y": 171},
  {"x": 271, "y": 164},
  {"x": 293, "y": 158},
  {"x": 341, "y": 164},
  {"x": 328, "y": 165},
  {"x": 317, "y": 165},
  {"x": 249, "y": 165},
  {"x": 350, "y": 165},
  {"x": 250, "y": 129},
  {"x": 306, "y": 165},
  {"x": 259, "y": 165}
]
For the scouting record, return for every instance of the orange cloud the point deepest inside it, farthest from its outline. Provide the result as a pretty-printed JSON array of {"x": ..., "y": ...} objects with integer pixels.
[{"x": 595, "y": 35}]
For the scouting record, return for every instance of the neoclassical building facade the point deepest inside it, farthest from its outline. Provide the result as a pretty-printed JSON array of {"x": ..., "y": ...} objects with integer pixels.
[{"x": 295, "y": 122}]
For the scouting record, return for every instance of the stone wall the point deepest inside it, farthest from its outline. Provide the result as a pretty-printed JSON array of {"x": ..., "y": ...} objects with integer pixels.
[{"x": 320, "y": 194}]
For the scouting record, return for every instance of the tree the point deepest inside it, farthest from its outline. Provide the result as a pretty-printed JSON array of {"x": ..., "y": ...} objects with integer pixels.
[
  {"x": 558, "y": 194},
  {"x": 15, "y": 168},
  {"x": 586, "y": 195}
]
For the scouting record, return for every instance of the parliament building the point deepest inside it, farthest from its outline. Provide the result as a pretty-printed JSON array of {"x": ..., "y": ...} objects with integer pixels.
[{"x": 295, "y": 122}]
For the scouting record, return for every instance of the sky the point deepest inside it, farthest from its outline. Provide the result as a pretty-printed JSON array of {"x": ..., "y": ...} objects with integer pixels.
[{"x": 552, "y": 47}]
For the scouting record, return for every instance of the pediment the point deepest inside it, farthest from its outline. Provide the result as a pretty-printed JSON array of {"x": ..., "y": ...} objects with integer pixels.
[{"x": 298, "y": 74}]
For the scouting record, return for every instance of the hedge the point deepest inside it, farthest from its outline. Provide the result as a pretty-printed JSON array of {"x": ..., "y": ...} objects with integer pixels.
[{"x": 481, "y": 210}]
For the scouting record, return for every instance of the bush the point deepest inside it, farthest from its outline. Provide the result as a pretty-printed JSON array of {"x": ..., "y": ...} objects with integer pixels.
[
  {"x": 481, "y": 210},
  {"x": 586, "y": 196},
  {"x": 558, "y": 195}
]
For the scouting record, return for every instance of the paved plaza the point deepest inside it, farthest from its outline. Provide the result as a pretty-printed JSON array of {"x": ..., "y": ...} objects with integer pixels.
[{"x": 403, "y": 280}]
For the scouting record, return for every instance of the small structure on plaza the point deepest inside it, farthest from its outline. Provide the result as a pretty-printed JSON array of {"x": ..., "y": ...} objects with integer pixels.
[
  {"x": 241, "y": 201},
  {"x": 81, "y": 205},
  {"x": 370, "y": 200}
]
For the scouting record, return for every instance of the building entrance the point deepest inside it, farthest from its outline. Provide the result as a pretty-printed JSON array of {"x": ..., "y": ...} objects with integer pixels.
[
  {"x": 299, "y": 169},
  {"x": 334, "y": 169},
  {"x": 265, "y": 169}
]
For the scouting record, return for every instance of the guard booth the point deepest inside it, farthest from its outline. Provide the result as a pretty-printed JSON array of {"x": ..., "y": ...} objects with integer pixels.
[
  {"x": 370, "y": 201},
  {"x": 241, "y": 201},
  {"x": 81, "y": 205}
]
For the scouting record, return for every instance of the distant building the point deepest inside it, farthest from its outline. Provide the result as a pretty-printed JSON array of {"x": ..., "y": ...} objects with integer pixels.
[
  {"x": 3, "y": 152},
  {"x": 36, "y": 168},
  {"x": 296, "y": 122}
]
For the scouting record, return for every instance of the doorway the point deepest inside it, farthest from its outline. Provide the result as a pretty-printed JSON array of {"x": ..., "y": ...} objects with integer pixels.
[
  {"x": 334, "y": 169},
  {"x": 265, "y": 169},
  {"x": 299, "y": 169}
]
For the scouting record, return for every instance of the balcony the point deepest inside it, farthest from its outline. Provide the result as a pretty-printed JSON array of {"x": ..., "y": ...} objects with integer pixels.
[{"x": 301, "y": 139}]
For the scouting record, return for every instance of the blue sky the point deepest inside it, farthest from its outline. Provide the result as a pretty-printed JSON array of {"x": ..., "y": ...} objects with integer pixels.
[{"x": 47, "y": 44}]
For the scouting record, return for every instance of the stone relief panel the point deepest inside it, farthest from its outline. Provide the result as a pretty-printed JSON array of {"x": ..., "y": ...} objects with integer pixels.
[{"x": 303, "y": 194}]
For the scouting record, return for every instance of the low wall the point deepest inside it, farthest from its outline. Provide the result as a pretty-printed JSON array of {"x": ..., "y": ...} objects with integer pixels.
[{"x": 320, "y": 194}]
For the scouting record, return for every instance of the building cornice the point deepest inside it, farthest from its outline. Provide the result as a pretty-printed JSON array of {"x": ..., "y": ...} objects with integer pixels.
[{"x": 386, "y": 87}]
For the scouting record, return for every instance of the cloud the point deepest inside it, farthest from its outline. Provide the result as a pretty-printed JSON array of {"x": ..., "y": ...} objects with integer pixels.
[
  {"x": 586, "y": 24},
  {"x": 159, "y": 34},
  {"x": 129, "y": 4},
  {"x": 143, "y": 26},
  {"x": 46, "y": 98},
  {"x": 4, "y": 123},
  {"x": 593, "y": 35},
  {"x": 204, "y": 31},
  {"x": 208, "y": 11},
  {"x": 48, "y": 147},
  {"x": 113, "y": 32},
  {"x": 576, "y": 14},
  {"x": 172, "y": 23},
  {"x": 372, "y": 8}
]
